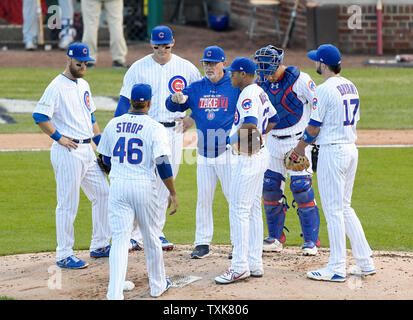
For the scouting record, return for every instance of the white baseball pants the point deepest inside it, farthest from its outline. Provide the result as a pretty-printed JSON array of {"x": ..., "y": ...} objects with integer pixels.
[
  {"x": 74, "y": 170},
  {"x": 208, "y": 171},
  {"x": 245, "y": 210},
  {"x": 337, "y": 166},
  {"x": 129, "y": 200}
]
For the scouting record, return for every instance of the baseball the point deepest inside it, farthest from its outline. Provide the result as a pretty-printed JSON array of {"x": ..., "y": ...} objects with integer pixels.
[{"x": 128, "y": 285}]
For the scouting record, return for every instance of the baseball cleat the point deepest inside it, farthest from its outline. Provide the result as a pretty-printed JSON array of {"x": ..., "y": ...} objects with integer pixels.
[
  {"x": 356, "y": 270},
  {"x": 309, "y": 248},
  {"x": 272, "y": 245},
  {"x": 200, "y": 252},
  {"x": 72, "y": 262},
  {"x": 231, "y": 276},
  {"x": 101, "y": 252},
  {"x": 166, "y": 245},
  {"x": 325, "y": 275},
  {"x": 257, "y": 273},
  {"x": 135, "y": 245}
]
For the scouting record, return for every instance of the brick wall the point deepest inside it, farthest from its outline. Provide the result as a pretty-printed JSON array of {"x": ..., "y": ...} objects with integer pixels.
[
  {"x": 264, "y": 19},
  {"x": 397, "y": 25},
  {"x": 397, "y": 30}
]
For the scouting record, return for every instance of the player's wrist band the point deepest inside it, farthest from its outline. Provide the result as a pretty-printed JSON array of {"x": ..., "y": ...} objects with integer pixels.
[
  {"x": 96, "y": 139},
  {"x": 56, "y": 136},
  {"x": 307, "y": 138}
]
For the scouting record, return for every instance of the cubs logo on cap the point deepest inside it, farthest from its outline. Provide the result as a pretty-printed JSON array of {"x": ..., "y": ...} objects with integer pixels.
[
  {"x": 161, "y": 35},
  {"x": 213, "y": 54},
  {"x": 79, "y": 51}
]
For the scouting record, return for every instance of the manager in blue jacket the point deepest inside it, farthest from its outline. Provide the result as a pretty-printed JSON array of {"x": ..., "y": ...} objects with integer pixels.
[{"x": 212, "y": 101}]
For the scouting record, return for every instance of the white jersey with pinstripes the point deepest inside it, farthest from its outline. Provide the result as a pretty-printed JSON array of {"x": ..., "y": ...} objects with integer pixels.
[
  {"x": 134, "y": 141},
  {"x": 69, "y": 104},
  {"x": 253, "y": 102},
  {"x": 165, "y": 79},
  {"x": 337, "y": 106}
]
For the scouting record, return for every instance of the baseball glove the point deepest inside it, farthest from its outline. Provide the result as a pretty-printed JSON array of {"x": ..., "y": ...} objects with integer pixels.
[
  {"x": 250, "y": 142},
  {"x": 296, "y": 162},
  {"x": 105, "y": 168}
]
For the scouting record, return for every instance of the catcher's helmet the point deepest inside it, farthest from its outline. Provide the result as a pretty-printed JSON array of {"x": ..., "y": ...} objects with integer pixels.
[{"x": 267, "y": 60}]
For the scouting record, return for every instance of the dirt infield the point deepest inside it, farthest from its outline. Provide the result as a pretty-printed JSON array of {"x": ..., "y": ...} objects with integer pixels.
[{"x": 34, "y": 276}]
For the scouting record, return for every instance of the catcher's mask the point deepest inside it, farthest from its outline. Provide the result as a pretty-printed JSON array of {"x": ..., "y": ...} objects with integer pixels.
[{"x": 267, "y": 61}]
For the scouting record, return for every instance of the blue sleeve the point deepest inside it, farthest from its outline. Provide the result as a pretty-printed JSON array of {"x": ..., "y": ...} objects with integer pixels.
[
  {"x": 174, "y": 107},
  {"x": 251, "y": 119},
  {"x": 274, "y": 119},
  {"x": 164, "y": 167},
  {"x": 39, "y": 117},
  {"x": 123, "y": 106},
  {"x": 93, "y": 118},
  {"x": 315, "y": 123}
]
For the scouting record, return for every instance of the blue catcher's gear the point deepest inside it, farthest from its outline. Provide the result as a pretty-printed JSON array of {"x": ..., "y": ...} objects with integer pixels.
[
  {"x": 275, "y": 205},
  {"x": 267, "y": 61},
  {"x": 301, "y": 187}
]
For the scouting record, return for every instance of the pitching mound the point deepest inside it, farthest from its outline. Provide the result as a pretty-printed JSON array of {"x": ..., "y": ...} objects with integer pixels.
[{"x": 36, "y": 276}]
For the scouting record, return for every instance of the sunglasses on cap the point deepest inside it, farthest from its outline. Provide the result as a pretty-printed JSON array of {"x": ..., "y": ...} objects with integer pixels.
[{"x": 166, "y": 47}]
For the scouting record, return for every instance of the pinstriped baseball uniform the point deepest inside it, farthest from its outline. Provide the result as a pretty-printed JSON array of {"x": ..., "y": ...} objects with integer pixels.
[
  {"x": 69, "y": 104},
  {"x": 134, "y": 141},
  {"x": 336, "y": 106},
  {"x": 164, "y": 79},
  {"x": 245, "y": 212},
  {"x": 304, "y": 89}
]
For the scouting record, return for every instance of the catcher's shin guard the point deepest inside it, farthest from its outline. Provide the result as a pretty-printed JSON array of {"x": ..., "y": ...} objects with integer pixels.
[
  {"x": 301, "y": 187},
  {"x": 275, "y": 205}
]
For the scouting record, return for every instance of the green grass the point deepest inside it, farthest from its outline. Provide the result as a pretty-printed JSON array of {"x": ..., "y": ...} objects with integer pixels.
[
  {"x": 386, "y": 95},
  {"x": 381, "y": 198}
]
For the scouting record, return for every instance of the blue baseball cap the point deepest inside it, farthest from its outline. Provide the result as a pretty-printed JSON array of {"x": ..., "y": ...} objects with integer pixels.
[
  {"x": 213, "y": 54},
  {"x": 162, "y": 35},
  {"x": 327, "y": 54},
  {"x": 242, "y": 64},
  {"x": 79, "y": 51},
  {"x": 141, "y": 92}
]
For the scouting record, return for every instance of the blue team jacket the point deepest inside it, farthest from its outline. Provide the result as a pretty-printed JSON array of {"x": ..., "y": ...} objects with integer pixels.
[{"x": 213, "y": 108}]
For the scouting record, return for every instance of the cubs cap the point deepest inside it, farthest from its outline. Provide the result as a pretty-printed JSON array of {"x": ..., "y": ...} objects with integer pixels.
[
  {"x": 79, "y": 51},
  {"x": 141, "y": 92},
  {"x": 162, "y": 35},
  {"x": 213, "y": 54},
  {"x": 242, "y": 64},
  {"x": 327, "y": 54}
]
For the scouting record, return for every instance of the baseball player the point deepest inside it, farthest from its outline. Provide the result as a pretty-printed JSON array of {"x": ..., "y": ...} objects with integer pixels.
[
  {"x": 212, "y": 101},
  {"x": 135, "y": 142},
  {"x": 291, "y": 92},
  {"x": 166, "y": 73},
  {"x": 336, "y": 110},
  {"x": 65, "y": 113},
  {"x": 254, "y": 116}
]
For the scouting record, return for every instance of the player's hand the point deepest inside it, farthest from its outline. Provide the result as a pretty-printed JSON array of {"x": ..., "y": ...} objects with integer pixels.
[
  {"x": 66, "y": 142},
  {"x": 188, "y": 122},
  {"x": 179, "y": 97},
  {"x": 172, "y": 200}
]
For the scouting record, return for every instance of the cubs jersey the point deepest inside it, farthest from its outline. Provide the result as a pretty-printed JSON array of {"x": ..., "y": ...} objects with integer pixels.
[
  {"x": 291, "y": 96},
  {"x": 69, "y": 104},
  {"x": 213, "y": 109},
  {"x": 165, "y": 79},
  {"x": 253, "y": 102},
  {"x": 134, "y": 141},
  {"x": 336, "y": 106}
]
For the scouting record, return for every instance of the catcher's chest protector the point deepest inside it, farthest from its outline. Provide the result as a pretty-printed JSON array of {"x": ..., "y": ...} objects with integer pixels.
[{"x": 288, "y": 106}]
